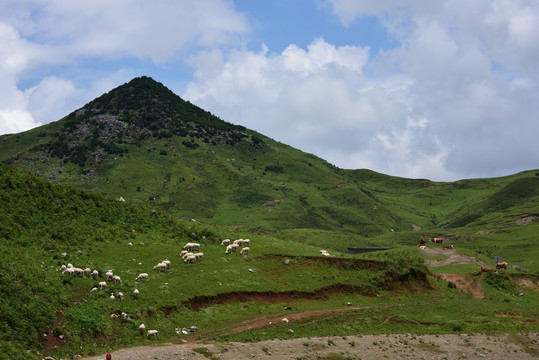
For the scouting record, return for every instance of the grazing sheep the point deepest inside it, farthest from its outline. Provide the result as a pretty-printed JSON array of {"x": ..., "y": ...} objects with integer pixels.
[
  {"x": 198, "y": 255},
  {"x": 183, "y": 253},
  {"x": 87, "y": 272},
  {"x": 135, "y": 294},
  {"x": 241, "y": 242},
  {"x": 95, "y": 274},
  {"x": 166, "y": 262},
  {"x": 245, "y": 250},
  {"x": 69, "y": 271},
  {"x": 69, "y": 265},
  {"x": 121, "y": 296},
  {"x": 94, "y": 289},
  {"x": 160, "y": 267},
  {"x": 186, "y": 255},
  {"x": 116, "y": 279},
  {"x": 112, "y": 297},
  {"x": 109, "y": 275},
  {"x": 152, "y": 333},
  {"x": 102, "y": 285},
  {"x": 141, "y": 328},
  {"x": 78, "y": 271},
  {"x": 125, "y": 317},
  {"x": 63, "y": 267},
  {"x": 192, "y": 246},
  {"x": 142, "y": 276},
  {"x": 228, "y": 249},
  {"x": 225, "y": 242},
  {"x": 190, "y": 259}
]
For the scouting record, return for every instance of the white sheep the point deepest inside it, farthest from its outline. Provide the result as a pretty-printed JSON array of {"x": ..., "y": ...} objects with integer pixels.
[
  {"x": 192, "y": 246},
  {"x": 225, "y": 242},
  {"x": 160, "y": 267},
  {"x": 187, "y": 254},
  {"x": 95, "y": 274},
  {"x": 183, "y": 253},
  {"x": 87, "y": 272},
  {"x": 69, "y": 265},
  {"x": 94, "y": 289},
  {"x": 109, "y": 275},
  {"x": 166, "y": 262},
  {"x": 78, "y": 271},
  {"x": 102, "y": 285},
  {"x": 152, "y": 333},
  {"x": 245, "y": 250},
  {"x": 63, "y": 267},
  {"x": 135, "y": 294},
  {"x": 142, "y": 276},
  {"x": 121, "y": 296},
  {"x": 190, "y": 259},
  {"x": 228, "y": 249},
  {"x": 69, "y": 271},
  {"x": 198, "y": 255},
  {"x": 234, "y": 247},
  {"x": 141, "y": 328},
  {"x": 112, "y": 297},
  {"x": 116, "y": 279}
]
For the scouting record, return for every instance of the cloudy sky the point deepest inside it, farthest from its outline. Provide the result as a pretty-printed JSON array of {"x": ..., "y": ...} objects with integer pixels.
[{"x": 443, "y": 90}]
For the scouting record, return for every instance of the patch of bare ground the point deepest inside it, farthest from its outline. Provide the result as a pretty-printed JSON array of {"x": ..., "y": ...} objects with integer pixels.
[
  {"x": 466, "y": 283},
  {"x": 526, "y": 220},
  {"x": 373, "y": 347}
]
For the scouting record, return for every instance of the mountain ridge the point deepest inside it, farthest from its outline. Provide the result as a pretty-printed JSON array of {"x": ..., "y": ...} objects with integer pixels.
[{"x": 144, "y": 143}]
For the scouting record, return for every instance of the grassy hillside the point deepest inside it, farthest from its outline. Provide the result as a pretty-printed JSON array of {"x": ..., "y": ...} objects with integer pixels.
[
  {"x": 42, "y": 220},
  {"x": 209, "y": 180},
  {"x": 142, "y": 142}
]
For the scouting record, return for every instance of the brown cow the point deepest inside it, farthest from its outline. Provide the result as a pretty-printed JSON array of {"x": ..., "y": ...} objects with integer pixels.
[
  {"x": 486, "y": 269},
  {"x": 448, "y": 246},
  {"x": 501, "y": 265},
  {"x": 437, "y": 240}
]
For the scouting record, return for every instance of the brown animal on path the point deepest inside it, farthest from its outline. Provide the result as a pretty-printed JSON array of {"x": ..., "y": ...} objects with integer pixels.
[
  {"x": 448, "y": 246},
  {"x": 501, "y": 265},
  {"x": 486, "y": 269}
]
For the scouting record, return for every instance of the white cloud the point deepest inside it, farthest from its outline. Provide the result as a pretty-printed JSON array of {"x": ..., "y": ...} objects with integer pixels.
[
  {"x": 320, "y": 101},
  {"x": 36, "y": 34}
]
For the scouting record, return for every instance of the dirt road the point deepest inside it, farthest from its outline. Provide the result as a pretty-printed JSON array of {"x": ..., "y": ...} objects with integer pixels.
[{"x": 372, "y": 347}]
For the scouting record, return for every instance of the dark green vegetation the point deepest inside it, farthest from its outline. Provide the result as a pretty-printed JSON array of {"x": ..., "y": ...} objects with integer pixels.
[{"x": 143, "y": 143}]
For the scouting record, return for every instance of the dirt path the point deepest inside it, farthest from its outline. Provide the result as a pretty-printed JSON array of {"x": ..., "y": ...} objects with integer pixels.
[
  {"x": 453, "y": 257},
  {"x": 372, "y": 347}
]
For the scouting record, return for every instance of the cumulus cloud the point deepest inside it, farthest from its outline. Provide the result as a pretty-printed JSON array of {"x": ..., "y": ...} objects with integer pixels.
[{"x": 36, "y": 34}]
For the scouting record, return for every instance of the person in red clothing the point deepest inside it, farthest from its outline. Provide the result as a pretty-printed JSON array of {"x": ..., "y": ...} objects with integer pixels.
[{"x": 108, "y": 357}]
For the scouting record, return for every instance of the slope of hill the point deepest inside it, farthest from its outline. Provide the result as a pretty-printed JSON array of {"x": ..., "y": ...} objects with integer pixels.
[
  {"x": 46, "y": 225},
  {"x": 142, "y": 142}
]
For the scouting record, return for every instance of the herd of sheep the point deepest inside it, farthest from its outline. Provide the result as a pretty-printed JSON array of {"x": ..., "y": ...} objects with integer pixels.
[{"x": 188, "y": 255}]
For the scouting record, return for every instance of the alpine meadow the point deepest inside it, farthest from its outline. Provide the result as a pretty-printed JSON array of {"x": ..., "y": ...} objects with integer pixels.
[{"x": 125, "y": 182}]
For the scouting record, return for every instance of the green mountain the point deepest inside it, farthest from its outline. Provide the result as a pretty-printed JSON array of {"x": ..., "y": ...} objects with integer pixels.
[
  {"x": 173, "y": 162},
  {"x": 142, "y": 142}
]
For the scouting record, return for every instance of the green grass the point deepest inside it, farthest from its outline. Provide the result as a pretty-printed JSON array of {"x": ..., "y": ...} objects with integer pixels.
[{"x": 189, "y": 165}]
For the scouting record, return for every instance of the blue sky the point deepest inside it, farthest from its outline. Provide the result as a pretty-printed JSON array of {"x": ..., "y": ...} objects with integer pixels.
[{"x": 443, "y": 90}]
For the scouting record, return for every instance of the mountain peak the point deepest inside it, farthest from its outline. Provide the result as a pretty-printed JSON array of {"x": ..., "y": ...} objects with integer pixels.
[{"x": 135, "y": 113}]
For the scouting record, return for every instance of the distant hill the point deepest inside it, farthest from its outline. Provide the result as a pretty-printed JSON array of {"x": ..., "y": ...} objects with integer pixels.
[{"x": 144, "y": 143}]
